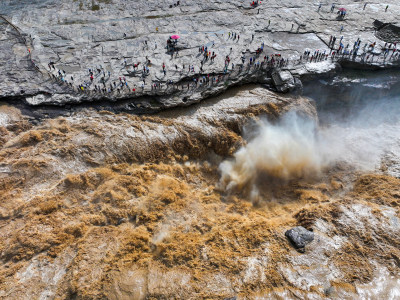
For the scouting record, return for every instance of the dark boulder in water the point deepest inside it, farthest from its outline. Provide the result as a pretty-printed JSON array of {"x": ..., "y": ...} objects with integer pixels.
[{"x": 299, "y": 237}]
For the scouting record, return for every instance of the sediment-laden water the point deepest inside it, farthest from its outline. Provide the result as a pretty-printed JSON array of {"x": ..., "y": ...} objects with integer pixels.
[{"x": 193, "y": 203}]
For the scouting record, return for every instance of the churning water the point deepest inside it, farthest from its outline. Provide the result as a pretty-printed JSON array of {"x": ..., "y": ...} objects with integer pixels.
[{"x": 359, "y": 125}]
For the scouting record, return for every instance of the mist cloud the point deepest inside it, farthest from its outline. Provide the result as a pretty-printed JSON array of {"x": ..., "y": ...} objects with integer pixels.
[
  {"x": 296, "y": 147},
  {"x": 284, "y": 150}
]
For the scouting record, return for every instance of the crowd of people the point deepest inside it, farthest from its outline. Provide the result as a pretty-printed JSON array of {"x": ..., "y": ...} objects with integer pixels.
[
  {"x": 99, "y": 80},
  {"x": 196, "y": 76},
  {"x": 388, "y": 53}
]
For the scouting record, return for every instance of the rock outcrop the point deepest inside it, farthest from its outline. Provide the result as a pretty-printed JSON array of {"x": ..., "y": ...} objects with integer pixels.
[
  {"x": 283, "y": 81},
  {"x": 299, "y": 237},
  {"x": 387, "y": 32},
  {"x": 67, "y": 33}
]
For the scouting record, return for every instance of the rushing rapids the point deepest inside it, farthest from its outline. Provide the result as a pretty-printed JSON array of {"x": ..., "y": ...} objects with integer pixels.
[{"x": 194, "y": 203}]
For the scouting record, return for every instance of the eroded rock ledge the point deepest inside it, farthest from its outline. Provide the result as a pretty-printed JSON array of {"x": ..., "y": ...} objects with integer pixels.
[{"x": 131, "y": 33}]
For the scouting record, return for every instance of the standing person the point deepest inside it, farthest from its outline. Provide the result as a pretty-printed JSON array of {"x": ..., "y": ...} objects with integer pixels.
[
  {"x": 387, "y": 6},
  {"x": 365, "y": 6},
  {"x": 341, "y": 29}
]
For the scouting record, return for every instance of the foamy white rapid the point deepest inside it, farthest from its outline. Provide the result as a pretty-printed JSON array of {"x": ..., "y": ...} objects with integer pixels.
[
  {"x": 296, "y": 147},
  {"x": 284, "y": 150}
]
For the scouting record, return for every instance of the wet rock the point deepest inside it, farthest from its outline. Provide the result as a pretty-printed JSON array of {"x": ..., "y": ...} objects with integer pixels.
[
  {"x": 283, "y": 81},
  {"x": 387, "y": 32},
  {"x": 378, "y": 24},
  {"x": 299, "y": 86},
  {"x": 299, "y": 237}
]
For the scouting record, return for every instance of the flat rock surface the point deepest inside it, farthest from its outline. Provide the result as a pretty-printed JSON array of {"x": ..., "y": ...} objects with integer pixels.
[{"x": 112, "y": 36}]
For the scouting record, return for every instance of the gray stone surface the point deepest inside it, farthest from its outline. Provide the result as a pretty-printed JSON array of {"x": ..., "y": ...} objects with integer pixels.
[
  {"x": 299, "y": 237},
  {"x": 114, "y": 35},
  {"x": 283, "y": 81}
]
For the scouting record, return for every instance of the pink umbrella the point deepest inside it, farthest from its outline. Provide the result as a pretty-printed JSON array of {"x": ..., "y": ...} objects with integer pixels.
[
  {"x": 342, "y": 9},
  {"x": 175, "y": 37}
]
